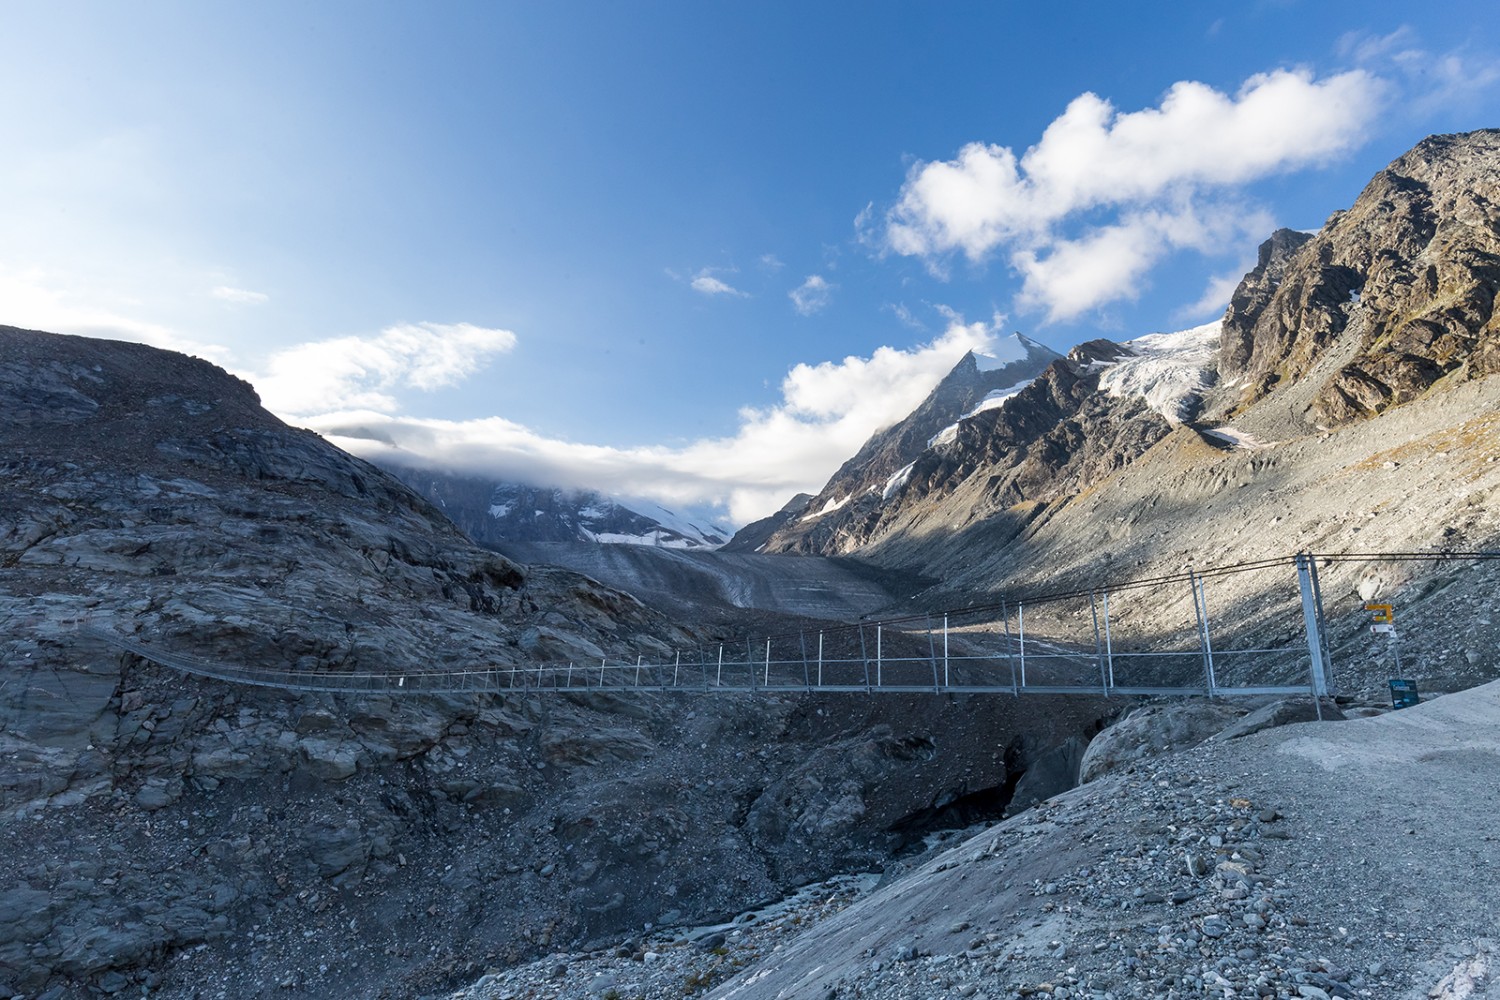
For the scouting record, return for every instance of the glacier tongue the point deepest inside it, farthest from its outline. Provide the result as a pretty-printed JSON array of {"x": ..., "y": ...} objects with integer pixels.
[{"x": 1171, "y": 371}]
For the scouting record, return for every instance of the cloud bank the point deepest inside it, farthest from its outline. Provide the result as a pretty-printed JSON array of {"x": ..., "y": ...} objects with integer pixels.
[
  {"x": 1105, "y": 195},
  {"x": 362, "y": 372},
  {"x": 826, "y": 412}
]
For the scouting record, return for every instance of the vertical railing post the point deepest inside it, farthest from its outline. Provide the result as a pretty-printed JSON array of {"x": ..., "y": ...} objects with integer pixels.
[
  {"x": 638, "y": 659},
  {"x": 677, "y": 668},
  {"x": 767, "y": 681},
  {"x": 1312, "y": 621},
  {"x": 806, "y": 676},
  {"x": 719, "y": 681},
  {"x": 602, "y": 661},
  {"x": 820, "y": 659},
  {"x": 879, "y": 661}
]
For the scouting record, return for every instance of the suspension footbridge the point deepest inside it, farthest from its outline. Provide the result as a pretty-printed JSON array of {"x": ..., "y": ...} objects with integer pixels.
[{"x": 1059, "y": 643}]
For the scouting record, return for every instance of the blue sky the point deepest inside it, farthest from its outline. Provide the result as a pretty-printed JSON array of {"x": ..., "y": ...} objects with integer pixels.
[{"x": 694, "y": 251}]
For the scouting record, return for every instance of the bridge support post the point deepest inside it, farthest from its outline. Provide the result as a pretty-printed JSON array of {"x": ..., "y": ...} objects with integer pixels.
[
  {"x": 1200, "y": 608},
  {"x": 1312, "y": 618},
  {"x": 946, "y": 679},
  {"x": 932, "y": 655},
  {"x": 864, "y": 657},
  {"x": 1098, "y": 643},
  {"x": 820, "y": 659},
  {"x": 1010, "y": 656},
  {"x": 1021, "y": 629},
  {"x": 1109, "y": 652},
  {"x": 879, "y": 662}
]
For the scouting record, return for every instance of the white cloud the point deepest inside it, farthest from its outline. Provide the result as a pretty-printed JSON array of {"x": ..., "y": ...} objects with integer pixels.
[
  {"x": 812, "y": 295},
  {"x": 826, "y": 413},
  {"x": 362, "y": 372},
  {"x": 240, "y": 296},
  {"x": 1216, "y": 296},
  {"x": 34, "y": 298},
  {"x": 1078, "y": 211},
  {"x": 1111, "y": 262},
  {"x": 705, "y": 283},
  {"x": 1459, "y": 80},
  {"x": 770, "y": 262}
]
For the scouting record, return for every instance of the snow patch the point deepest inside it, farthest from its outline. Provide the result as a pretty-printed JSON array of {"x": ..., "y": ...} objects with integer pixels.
[
  {"x": 828, "y": 508},
  {"x": 1170, "y": 371},
  {"x": 500, "y": 509},
  {"x": 1237, "y": 438},
  {"x": 657, "y": 538},
  {"x": 896, "y": 482},
  {"x": 947, "y": 435},
  {"x": 997, "y": 398}
]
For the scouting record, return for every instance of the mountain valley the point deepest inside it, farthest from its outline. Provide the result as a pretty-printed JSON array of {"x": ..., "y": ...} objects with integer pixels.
[{"x": 180, "y": 837}]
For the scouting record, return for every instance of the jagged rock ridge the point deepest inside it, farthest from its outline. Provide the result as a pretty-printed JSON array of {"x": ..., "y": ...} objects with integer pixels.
[
  {"x": 976, "y": 387},
  {"x": 1408, "y": 276}
]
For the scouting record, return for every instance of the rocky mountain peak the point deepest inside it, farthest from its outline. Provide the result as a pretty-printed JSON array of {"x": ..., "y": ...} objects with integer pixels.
[{"x": 1389, "y": 298}]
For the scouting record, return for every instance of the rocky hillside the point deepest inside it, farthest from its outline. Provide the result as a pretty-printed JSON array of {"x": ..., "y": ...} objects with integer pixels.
[
  {"x": 1316, "y": 860},
  {"x": 186, "y": 837},
  {"x": 494, "y": 514}
]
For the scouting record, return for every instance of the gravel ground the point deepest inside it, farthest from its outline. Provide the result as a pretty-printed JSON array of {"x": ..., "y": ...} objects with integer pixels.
[{"x": 1348, "y": 859}]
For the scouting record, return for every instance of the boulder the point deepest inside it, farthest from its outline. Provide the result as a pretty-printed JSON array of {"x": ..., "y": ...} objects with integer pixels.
[
  {"x": 1281, "y": 713},
  {"x": 1154, "y": 730}
]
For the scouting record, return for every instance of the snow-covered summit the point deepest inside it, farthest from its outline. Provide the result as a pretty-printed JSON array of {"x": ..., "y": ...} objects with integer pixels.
[{"x": 1007, "y": 351}]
